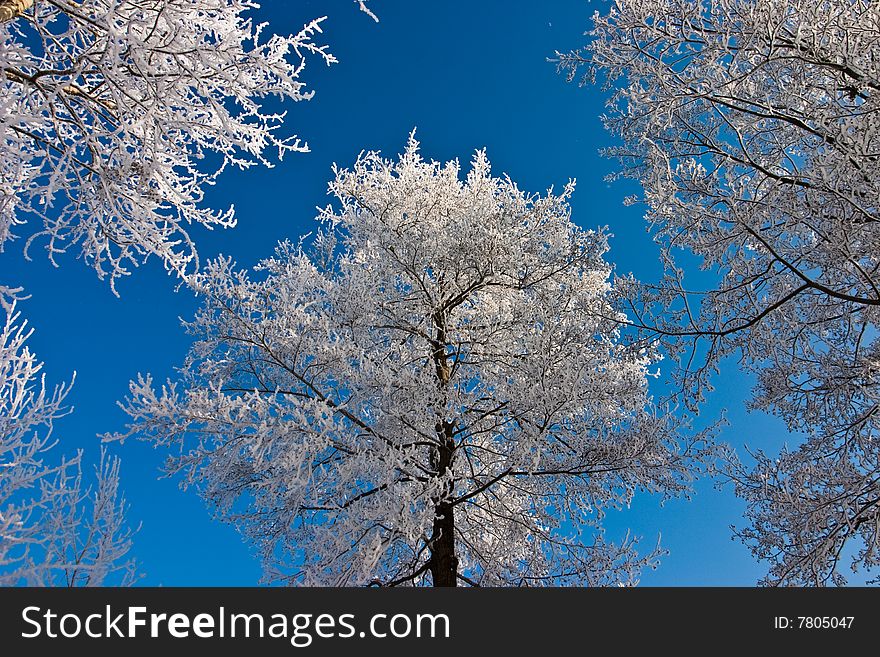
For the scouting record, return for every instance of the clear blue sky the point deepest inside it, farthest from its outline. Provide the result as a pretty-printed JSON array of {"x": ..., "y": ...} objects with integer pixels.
[{"x": 467, "y": 75}]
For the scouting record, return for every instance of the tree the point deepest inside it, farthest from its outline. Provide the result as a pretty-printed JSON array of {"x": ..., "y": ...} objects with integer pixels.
[
  {"x": 53, "y": 530},
  {"x": 432, "y": 390},
  {"x": 753, "y": 128},
  {"x": 116, "y": 116}
]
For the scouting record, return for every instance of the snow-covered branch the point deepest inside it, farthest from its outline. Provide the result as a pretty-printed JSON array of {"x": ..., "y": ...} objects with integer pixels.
[
  {"x": 434, "y": 390},
  {"x": 116, "y": 116},
  {"x": 754, "y": 129},
  {"x": 54, "y": 529}
]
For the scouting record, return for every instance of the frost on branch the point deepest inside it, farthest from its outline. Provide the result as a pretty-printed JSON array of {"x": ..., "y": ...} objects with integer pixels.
[
  {"x": 362, "y": 5},
  {"x": 116, "y": 115},
  {"x": 434, "y": 390},
  {"x": 754, "y": 129},
  {"x": 54, "y": 531}
]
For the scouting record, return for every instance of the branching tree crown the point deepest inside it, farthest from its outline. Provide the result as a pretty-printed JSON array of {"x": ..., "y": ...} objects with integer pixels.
[
  {"x": 433, "y": 391},
  {"x": 116, "y": 116},
  {"x": 54, "y": 530},
  {"x": 754, "y": 129}
]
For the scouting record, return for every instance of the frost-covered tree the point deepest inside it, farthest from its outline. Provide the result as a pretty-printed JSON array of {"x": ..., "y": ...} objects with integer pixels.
[
  {"x": 432, "y": 391},
  {"x": 116, "y": 115},
  {"x": 754, "y": 129},
  {"x": 54, "y": 530}
]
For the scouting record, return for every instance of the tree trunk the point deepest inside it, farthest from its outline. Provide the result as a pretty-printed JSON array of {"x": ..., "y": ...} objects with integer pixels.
[
  {"x": 444, "y": 563},
  {"x": 10, "y": 9}
]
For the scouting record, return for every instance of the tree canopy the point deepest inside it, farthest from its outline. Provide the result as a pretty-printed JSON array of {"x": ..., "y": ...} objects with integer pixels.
[
  {"x": 753, "y": 128},
  {"x": 432, "y": 390},
  {"x": 117, "y": 116}
]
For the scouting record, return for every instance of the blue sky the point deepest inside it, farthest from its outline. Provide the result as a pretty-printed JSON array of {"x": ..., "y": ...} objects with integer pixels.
[{"x": 467, "y": 75}]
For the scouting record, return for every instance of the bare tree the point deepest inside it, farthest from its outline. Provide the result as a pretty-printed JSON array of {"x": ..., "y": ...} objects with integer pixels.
[
  {"x": 54, "y": 530},
  {"x": 433, "y": 392},
  {"x": 753, "y": 128}
]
